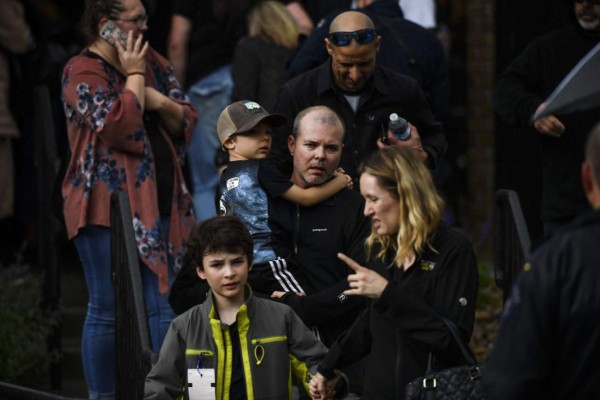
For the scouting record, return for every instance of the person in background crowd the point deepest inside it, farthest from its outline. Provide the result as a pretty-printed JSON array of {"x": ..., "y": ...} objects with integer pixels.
[
  {"x": 406, "y": 48},
  {"x": 128, "y": 124},
  {"x": 260, "y": 59},
  {"x": 521, "y": 91},
  {"x": 419, "y": 272},
  {"x": 548, "y": 343},
  {"x": 15, "y": 38}
]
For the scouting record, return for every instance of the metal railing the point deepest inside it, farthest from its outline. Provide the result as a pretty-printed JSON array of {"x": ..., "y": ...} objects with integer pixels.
[
  {"x": 134, "y": 354},
  {"x": 46, "y": 159},
  {"x": 46, "y": 163},
  {"x": 512, "y": 243}
]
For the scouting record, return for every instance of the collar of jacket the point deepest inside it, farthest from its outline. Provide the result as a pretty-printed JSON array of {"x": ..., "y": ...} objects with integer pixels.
[
  {"x": 210, "y": 302},
  {"x": 325, "y": 79}
]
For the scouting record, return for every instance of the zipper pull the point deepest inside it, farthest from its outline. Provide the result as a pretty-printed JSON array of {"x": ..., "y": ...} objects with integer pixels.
[{"x": 259, "y": 353}]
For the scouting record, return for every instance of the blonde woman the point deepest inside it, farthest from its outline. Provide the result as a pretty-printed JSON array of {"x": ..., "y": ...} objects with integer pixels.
[
  {"x": 260, "y": 59},
  {"x": 420, "y": 272}
]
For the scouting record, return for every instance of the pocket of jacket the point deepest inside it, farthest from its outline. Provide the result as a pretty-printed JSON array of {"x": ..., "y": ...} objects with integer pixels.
[{"x": 259, "y": 349}]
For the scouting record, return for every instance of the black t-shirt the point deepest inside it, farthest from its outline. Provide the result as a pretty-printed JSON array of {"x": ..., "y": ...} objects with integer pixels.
[
  {"x": 237, "y": 389},
  {"x": 217, "y": 25}
]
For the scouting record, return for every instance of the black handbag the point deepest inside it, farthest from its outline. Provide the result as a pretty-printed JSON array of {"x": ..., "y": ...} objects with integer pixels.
[{"x": 456, "y": 383}]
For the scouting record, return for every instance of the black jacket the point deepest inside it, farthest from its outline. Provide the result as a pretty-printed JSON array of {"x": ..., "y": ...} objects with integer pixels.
[
  {"x": 319, "y": 233},
  {"x": 257, "y": 70},
  {"x": 399, "y": 329},
  {"x": 548, "y": 343},
  {"x": 387, "y": 92},
  {"x": 525, "y": 84},
  {"x": 406, "y": 48},
  {"x": 336, "y": 225}
]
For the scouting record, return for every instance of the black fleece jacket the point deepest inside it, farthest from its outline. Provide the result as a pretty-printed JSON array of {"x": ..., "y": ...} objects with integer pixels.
[{"x": 398, "y": 330}]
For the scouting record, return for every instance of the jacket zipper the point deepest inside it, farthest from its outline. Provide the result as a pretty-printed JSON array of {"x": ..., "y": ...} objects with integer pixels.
[
  {"x": 259, "y": 350},
  {"x": 269, "y": 339},
  {"x": 202, "y": 352}
]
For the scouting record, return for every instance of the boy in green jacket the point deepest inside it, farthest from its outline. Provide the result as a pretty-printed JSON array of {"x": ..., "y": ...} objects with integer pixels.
[{"x": 234, "y": 345}]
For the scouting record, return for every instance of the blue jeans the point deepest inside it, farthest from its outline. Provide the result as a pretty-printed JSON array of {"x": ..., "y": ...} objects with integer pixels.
[
  {"x": 210, "y": 96},
  {"x": 98, "y": 339}
]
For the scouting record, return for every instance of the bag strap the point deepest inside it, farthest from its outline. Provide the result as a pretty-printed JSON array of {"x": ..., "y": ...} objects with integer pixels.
[
  {"x": 464, "y": 349},
  {"x": 388, "y": 24}
]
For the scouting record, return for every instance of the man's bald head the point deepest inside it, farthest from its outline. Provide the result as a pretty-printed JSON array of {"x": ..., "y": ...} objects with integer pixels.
[
  {"x": 351, "y": 21},
  {"x": 353, "y": 58}
]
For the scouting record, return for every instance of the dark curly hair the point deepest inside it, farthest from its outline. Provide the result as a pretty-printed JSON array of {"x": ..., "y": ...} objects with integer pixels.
[
  {"x": 222, "y": 233},
  {"x": 95, "y": 10}
]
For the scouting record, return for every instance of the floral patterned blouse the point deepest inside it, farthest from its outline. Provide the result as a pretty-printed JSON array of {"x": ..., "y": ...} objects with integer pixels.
[{"x": 111, "y": 152}]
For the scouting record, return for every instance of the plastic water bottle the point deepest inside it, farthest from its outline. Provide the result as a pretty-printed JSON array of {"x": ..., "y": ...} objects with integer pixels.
[{"x": 399, "y": 127}]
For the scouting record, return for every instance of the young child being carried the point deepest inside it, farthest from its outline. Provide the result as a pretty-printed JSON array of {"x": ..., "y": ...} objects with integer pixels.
[
  {"x": 249, "y": 191},
  {"x": 233, "y": 345}
]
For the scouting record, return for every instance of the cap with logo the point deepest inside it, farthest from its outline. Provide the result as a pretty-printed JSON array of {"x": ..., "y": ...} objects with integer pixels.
[{"x": 243, "y": 115}]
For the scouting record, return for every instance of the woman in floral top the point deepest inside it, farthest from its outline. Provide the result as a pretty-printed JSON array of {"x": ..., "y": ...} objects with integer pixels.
[{"x": 129, "y": 123}]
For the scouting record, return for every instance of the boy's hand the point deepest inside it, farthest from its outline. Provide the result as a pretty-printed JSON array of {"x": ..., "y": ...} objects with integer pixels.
[
  {"x": 340, "y": 172},
  {"x": 278, "y": 295},
  {"x": 322, "y": 388}
]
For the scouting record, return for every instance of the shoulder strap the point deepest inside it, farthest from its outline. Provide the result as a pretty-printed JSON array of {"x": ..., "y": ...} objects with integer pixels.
[
  {"x": 388, "y": 24},
  {"x": 464, "y": 349}
]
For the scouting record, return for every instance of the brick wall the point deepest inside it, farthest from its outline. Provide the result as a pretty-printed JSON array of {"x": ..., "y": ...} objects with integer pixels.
[{"x": 480, "y": 44}]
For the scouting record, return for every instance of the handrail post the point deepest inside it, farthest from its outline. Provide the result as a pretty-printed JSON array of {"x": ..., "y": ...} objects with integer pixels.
[
  {"x": 512, "y": 242},
  {"x": 46, "y": 166},
  {"x": 134, "y": 354}
]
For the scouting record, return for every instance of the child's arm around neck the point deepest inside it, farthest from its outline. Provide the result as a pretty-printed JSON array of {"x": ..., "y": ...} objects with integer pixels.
[{"x": 317, "y": 194}]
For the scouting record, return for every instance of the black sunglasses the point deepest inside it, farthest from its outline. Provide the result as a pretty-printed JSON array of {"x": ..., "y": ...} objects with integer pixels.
[
  {"x": 363, "y": 36},
  {"x": 592, "y": 2}
]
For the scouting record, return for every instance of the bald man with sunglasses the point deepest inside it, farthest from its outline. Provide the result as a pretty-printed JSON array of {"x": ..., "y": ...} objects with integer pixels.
[{"x": 363, "y": 94}]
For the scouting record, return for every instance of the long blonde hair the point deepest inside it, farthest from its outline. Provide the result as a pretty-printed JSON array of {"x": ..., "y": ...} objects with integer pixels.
[
  {"x": 400, "y": 172},
  {"x": 272, "y": 21}
]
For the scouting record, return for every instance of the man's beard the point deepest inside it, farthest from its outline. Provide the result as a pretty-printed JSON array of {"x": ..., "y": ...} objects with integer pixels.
[{"x": 589, "y": 26}]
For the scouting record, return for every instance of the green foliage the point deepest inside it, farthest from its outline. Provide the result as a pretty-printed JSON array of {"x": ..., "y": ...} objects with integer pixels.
[
  {"x": 489, "y": 307},
  {"x": 24, "y": 327},
  {"x": 488, "y": 293}
]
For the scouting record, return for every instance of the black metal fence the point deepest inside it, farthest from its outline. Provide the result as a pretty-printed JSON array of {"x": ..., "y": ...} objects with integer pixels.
[
  {"x": 46, "y": 159},
  {"x": 512, "y": 243},
  {"x": 134, "y": 355}
]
